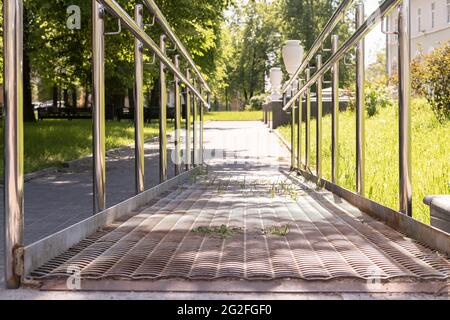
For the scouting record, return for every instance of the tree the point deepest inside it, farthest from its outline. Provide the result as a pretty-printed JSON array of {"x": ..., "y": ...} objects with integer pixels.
[
  {"x": 305, "y": 19},
  {"x": 431, "y": 79},
  {"x": 62, "y": 56},
  {"x": 256, "y": 37}
]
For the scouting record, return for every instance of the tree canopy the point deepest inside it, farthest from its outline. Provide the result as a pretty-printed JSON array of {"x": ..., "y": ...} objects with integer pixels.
[
  {"x": 61, "y": 56},
  {"x": 234, "y": 43}
]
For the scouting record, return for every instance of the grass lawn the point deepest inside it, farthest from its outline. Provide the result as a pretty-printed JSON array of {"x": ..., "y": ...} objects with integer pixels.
[
  {"x": 50, "y": 143},
  {"x": 430, "y": 155},
  {"x": 234, "y": 116}
]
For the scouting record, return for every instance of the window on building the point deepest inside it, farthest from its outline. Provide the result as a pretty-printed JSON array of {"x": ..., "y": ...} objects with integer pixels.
[
  {"x": 433, "y": 15},
  {"x": 419, "y": 19},
  {"x": 448, "y": 11}
]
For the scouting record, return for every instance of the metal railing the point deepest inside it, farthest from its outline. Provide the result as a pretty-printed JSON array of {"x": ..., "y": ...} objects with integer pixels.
[
  {"x": 13, "y": 84},
  {"x": 363, "y": 27}
]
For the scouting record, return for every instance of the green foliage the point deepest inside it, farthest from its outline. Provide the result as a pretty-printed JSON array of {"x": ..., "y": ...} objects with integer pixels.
[
  {"x": 62, "y": 57},
  {"x": 282, "y": 231},
  {"x": 222, "y": 232},
  {"x": 430, "y": 154},
  {"x": 431, "y": 78},
  {"x": 257, "y": 102},
  {"x": 256, "y": 40},
  {"x": 305, "y": 19},
  {"x": 376, "y": 98}
]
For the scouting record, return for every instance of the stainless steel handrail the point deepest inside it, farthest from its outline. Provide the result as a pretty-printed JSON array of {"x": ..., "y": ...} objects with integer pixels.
[
  {"x": 151, "y": 5},
  {"x": 13, "y": 135},
  {"x": 331, "y": 24},
  {"x": 14, "y": 144},
  {"x": 384, "y": 9},
  {"x": 363, "y": 27},
  {"x": 116, "y": 10}
]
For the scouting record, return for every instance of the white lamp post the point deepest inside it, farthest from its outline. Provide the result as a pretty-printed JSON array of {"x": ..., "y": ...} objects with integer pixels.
[{"x": 292, "y": 56}]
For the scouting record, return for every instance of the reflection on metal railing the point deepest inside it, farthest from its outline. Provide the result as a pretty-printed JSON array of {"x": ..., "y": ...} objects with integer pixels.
[
  {"x": 363, "y": 27},
  {"x": 13, "y": 51}
]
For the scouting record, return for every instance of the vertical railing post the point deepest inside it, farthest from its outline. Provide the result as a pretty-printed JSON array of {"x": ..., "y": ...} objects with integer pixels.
[
  {"x": 299, "y": 128},
  {"x": 163, "y": 116},
  {"x": 188, "y": 152},
  {"x": 200, "y": 130},
  {"x": 13, "y": 137},
  {"x": 404, "y": 56},
  {"x": 195, "y": 127},
  {"x": 319, "y": 121},
  {"x": 208, "y": 99},
  {"x": 98, "y": 65},
  {"x": 293, "y": 118},
  {"x": 308, "y": 121},
  {"x": 139, "y": 105},
  {"x": 335, "y": 114},
  {"x": 360, "y": 107},
  {"x": 177, "y": 159}
]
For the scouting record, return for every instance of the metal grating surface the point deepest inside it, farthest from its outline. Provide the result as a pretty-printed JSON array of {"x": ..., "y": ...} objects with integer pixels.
[{"x": 325, "y": 240}]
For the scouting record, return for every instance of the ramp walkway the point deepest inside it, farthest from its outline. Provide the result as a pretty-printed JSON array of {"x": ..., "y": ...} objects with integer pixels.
[{"x": 247, "y": 224}]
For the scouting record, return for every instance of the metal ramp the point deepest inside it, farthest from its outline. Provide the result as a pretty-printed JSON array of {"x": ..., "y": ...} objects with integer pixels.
[
  {"x": 328, "y": 245},
  {"x": 252, "y": 222}
]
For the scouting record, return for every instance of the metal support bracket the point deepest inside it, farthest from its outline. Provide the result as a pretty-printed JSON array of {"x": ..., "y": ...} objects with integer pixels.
[
  {"x": 152, "y": 62},
  {"x": 383, "y": 29},
  {"x": 175, "y": 48},
  {"x": 151, "y": 24},
  {"x": 115, "y": 33},
  {"x": 325, "y": 49}
]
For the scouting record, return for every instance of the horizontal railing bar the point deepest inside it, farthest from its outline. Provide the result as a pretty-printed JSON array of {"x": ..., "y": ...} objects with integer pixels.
[
  {"x": 151, "y": 5},
  {"x": 383, "y": 10},
  {"x": 115, "y": 9},
  {"x": 331, "y": 24}
]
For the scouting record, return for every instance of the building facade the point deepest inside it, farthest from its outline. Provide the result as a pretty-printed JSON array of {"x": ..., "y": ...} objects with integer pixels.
[{"x": 430, "y": 29}]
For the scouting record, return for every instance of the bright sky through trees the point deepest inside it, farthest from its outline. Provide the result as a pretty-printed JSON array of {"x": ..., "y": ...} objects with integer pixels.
[{"x": 375, "y": 41}]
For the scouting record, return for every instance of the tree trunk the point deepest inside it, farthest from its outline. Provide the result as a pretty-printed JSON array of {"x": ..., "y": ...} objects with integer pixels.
[
  {"x": 66, "y": 98},
  {"x": 55, "y": 97},
  {"x": 155, "y": 97},
  {"x": 28, "y": 109},
  {"x": 131, "y": 98},
  {"x": 74, "y": 98},
  {"x": 86, "y": 98},
  {"x": 226, "y": 99}
]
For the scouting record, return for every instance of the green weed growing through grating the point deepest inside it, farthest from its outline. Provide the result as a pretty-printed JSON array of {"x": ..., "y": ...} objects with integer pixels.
[
  {"x": 278, "y": 231},
  {"x": 221, "y": 232}
]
